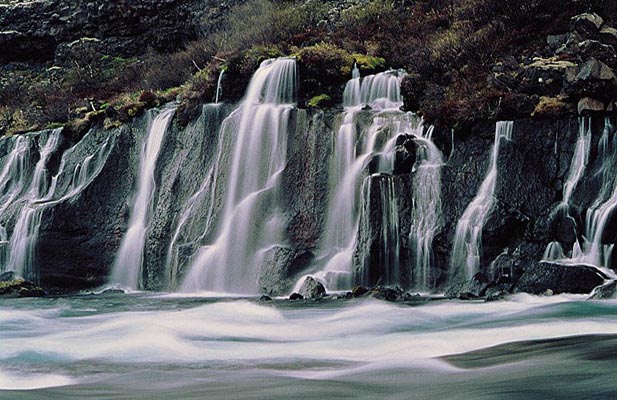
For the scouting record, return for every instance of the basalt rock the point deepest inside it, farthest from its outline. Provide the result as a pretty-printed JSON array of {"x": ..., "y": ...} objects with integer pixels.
[
  {"x": 539, "y": 277},
  {"x": 312, "y": 289}
]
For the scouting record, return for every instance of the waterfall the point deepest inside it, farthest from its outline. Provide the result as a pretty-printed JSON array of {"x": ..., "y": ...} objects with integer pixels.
[
  {"x": 219, "y": 88},
  {"x": 250, "y": 220},
  {"x": 466, "y": 251},
  {"x": 31, "y": 198},
  {"x": 386, "y": 254},
  {"x": 25, "y": 232},
  {"x": 426, "y": 208},
  {"x": 128, "y": 263},
  {"x": 352, "y": 152},
  {"x": 594, "y": 250},
  {"x": 197, "y": 217},
  {"x": 580, "y": 158}
]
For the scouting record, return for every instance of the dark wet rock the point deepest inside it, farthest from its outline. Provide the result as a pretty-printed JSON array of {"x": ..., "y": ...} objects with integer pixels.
[
  {"x": 265, "y": 297},
  {"x": 296, "y": 296},
  {"x": 542, "y": 276},
  {"x": 404, "y": 154},
  {"x": 391, "y": 294},
  {"x": 607, "y": 291},
  {"x": 474, "y": 288},
  {"x": 359, "y": 291},
  {"x": 20, "y": 288},
  {"x": 8, "y": 276},
  {"x": 312, "y": 289},
  {"x": 498, "y": 292},
  {"x": 587, "y": 25}
]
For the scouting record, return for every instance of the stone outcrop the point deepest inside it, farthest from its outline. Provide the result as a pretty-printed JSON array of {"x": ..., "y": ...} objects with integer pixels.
[
  {"x": 40, "y": 30},
  {"x": 543, "y": 277}
]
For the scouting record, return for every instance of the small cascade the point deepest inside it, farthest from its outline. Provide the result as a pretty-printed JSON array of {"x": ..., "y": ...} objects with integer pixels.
[
  {"x": 128, "y": 264},
  {"x": 554, "y": 250},
  {"x": 352, "y": 153},
  {"x": 426, "y": 211},
  {"x": 594, "y": 250},
  {"x": 250, "y": 221},
  {"x": 25, "y": 232},
  {"x": 466, "y": 251},
  {"x": 219, "y": 87},
  {"x": 15, "y": 174},
  {"x": 383, "y": 91},
  {"x": 385, "y": 249}
]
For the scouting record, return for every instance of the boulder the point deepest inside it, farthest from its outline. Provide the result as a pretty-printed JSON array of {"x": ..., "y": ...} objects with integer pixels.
[
  {"x": 556, "y": 41},
  {"x": 600, "y": 51},
  {"x": 404, "y": 154},
  {"x": 587, "y": 105},
  {"x": 587, "y": 25},
  {"x": 542, "y": 276},
  {"x": 312, "y": 289},
  {"x": 387, "y": 293},
  {"x": 594, "y": 79},
  {"x": 472, "y": 289},
  {"x": 20, "y": 288},
  {"x": 296, "y": 296}
]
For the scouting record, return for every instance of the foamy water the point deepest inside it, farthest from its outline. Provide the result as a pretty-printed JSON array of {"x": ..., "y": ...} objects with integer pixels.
[{"x": 110, "y": 341}]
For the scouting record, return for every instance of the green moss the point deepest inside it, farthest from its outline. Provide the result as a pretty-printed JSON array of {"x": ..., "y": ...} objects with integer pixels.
[
  {"x": 319, "y": 101},
  {"x": 54, "y": 125},
  {"x": 326, "y": 59},
  {"x": 369, "y": 63}
]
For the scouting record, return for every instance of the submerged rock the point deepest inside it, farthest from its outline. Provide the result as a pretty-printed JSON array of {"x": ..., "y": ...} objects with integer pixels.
[
  {"x": 605, "y": 292},
  {"x": 312, "y": 289},
  {"x": 20, "y": 288},
  {"x": 542, "y": 276},
  {"x": 388, "y": 293}
]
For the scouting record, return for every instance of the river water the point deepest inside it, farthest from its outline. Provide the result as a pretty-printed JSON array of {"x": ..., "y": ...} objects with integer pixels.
[{"x": 158, "y": 346}]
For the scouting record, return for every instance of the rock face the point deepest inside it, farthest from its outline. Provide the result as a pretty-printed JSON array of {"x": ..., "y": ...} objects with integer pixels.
[
  {"x": 33, "y": 31},
  {"x": 541, "y": 277}
]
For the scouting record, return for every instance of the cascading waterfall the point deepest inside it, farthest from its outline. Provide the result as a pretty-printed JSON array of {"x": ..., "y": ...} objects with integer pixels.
[
  {"x": 594, "y": 250},
  {"x": 128, "y": 263},
  {"x": 250, "y": 221},
  {"x": 348, "y": 168},
  {"x": 25, "y": 232},
  {"x": 554, "y": 250},
  {"x": 387, "y": 252},
  {"x": 426, "y": 208},
  {"x": 466, "y": 251},
  {"x": 19, "y": 252},
  {"x": 197, "y": 217}
]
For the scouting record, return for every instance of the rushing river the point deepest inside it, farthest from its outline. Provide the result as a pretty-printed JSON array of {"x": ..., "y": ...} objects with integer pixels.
[{"x": 148, "y": 346}]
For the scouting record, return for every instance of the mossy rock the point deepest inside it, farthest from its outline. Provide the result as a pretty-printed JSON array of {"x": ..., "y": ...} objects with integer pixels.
[
  {"x": 327, "y": 61},
  {"x": 320, "y": 101},
  {"x": 20, "y": 288},
  {"x": 369, "y": 64}
]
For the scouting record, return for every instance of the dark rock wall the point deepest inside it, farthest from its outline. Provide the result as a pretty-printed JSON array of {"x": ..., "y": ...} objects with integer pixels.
[{"x": 79, "y": 237}]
